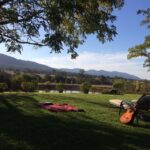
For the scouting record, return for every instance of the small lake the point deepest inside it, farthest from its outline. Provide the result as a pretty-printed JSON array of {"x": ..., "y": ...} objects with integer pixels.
[{"x": 67, "y": 91}]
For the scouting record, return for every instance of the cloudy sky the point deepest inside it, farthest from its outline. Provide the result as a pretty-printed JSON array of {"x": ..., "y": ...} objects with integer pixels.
[{"x": 111, "y": 56}]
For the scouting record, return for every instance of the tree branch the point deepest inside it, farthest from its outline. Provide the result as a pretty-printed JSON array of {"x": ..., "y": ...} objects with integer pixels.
[
  {"x": 23, "y": 42},
  {"x": 28, "y": 18}
]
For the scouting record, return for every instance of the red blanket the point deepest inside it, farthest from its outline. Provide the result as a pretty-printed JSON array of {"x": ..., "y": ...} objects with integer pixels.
[{"x": 58, "y": 107}]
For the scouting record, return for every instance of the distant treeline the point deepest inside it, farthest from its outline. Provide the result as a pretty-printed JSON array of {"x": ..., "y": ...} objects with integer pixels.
[{"x": 31, "y": 81}]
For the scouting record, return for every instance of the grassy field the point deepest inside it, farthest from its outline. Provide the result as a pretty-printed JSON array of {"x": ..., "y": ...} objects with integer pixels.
[{"x": 25, "y": 126}]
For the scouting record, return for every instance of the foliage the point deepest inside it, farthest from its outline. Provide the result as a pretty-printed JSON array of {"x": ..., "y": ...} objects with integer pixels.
[
  {"x": 93, "y": 89},
  {"x": 85, "y": 87},
  {"x": 16, "y": 82},
  {"x": 56, "y": 23},
  {"x": 60, "y": 77},
  {"x": 142, "y": 50},
  {"x": 129, "y": 86},
  {"x": 3, "y": 87},
  {"x": 112, "y": 91},
  {"x": 5, "y": 78},
  {"x": 28, "y": 86},
  {"x": 17, "y": 79},
  {"x": 47, "y": 78},
  {"x": 72, "y": 82},
  {"x": 81, "y": 73},
  {"x": 60, "y": 87},
  {"x": 48, "y": 88},
  {"x": 142, "y": 86},
  {"x": 118, "y": 84}
]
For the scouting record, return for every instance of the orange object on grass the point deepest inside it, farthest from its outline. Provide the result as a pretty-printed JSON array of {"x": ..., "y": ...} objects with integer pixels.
[{"x": 128, "y": 116}]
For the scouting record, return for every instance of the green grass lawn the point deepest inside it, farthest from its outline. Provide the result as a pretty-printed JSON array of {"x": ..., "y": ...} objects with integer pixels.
[{"x": 25, "y": 126}]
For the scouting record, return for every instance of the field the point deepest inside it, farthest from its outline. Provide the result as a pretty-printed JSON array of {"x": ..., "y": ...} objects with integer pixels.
[{"x": 25, "y": 126}]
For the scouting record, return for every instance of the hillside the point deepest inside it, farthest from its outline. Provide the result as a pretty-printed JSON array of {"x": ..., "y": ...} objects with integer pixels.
[
  {"x": 10, "y": 63},
  {"x": 7, "y": 62},
  {"x": 104, "y": 73}
]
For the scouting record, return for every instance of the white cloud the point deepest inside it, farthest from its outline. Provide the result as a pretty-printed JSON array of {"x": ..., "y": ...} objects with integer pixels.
[{"x": 98, "y": 61}]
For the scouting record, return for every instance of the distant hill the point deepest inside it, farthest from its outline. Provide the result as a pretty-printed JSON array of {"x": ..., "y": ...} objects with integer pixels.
[
  {"x": 10, "y": 63},
  {"x": 104, "y": 73},
  {"x": 7, "y": 62}
]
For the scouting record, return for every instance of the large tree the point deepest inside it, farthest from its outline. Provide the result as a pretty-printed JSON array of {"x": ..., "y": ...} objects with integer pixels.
[
  {"x": 143, "y": 50},
  {"x": 55, "y": 23}
]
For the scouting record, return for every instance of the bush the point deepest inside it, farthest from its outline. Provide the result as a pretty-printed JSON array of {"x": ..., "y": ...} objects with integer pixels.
[
  {"x": 119, "y": 85},
  {"x": 60, "y": 87},
  {"x": 3, "y": 87},
  {"x": 85, "y": 87},
  {"x": 93, "y": 89},
  {"x": 112, "y": 91},
  {"x": 47, "y": 85},
  {"x": 15, "y": 84},
  {"x": 28, "y": 86}
]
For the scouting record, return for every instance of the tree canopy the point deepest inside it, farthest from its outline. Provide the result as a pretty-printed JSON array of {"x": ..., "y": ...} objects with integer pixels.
[
  {"x": 144, "y": 48},
  {"x": 55, "y": 23}
]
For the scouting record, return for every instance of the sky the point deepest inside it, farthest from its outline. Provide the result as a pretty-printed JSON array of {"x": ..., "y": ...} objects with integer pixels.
[{"x": 110, "y": 56}]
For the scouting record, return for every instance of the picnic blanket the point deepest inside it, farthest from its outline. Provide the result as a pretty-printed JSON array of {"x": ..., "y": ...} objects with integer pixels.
[{"x": 59, "y": 107}]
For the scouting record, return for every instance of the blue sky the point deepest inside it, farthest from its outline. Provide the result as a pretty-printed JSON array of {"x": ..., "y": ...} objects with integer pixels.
[{"x": 111, "y": 56}]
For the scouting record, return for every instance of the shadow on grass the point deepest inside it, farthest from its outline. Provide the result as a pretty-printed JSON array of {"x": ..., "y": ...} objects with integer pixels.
[{"x": 25, "y": 126}]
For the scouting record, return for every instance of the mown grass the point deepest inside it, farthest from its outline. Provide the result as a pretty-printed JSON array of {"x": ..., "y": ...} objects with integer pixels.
[{"x": 25, "y": 126}]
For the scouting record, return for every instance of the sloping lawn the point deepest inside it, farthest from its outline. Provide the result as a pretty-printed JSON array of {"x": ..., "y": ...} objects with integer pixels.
[{"x": 25, "y": 126}]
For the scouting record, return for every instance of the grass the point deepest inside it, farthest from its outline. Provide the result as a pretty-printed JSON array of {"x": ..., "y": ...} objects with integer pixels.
[{"x": 24, "y": 126}]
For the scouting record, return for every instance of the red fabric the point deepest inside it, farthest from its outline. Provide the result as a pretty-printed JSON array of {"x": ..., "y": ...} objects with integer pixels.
[{"x": 59, "y": 107}]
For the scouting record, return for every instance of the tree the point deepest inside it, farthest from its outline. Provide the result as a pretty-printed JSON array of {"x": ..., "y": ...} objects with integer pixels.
[
  {"x": 118, "y": 84},
  {"x": 47, "y": 85},
  {"x": 55, "y": 23},
  {"x": 5, "y": 78},
  {"x": 81, "y": 73},
  {"x": 129, "y": 86},
  {"x": 3, "y": 87},
  {"x": 28, "y": 86},
  {"x": 16, "y": 82},
  {"x": 142, "y": 50},
  {"x": 85, "y": 87},
  {"x": 60, "y": 87}
]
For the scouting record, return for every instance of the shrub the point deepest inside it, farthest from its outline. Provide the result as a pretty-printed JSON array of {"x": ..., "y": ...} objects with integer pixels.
[
  {"x": 28, "y": 86},
  {"x": 85, "y": 87},
  {"x": 3, "y": 87},
  {"x": 112, "y": 91},
  {"x": 60, "y": 87},
  {"x": 93, "y": 89},
  {"x": 16, "y": 82},
  {"x": 47, "y": 86},
  {"x": 119, "y": 85}
]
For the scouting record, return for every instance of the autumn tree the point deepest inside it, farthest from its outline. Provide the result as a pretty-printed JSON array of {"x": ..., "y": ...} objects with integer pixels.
[
  {"x": 143, "y": 50},
  {"x": 55, "y": 23}
]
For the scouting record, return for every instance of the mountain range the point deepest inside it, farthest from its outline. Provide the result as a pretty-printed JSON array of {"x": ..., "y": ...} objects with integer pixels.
[
  {"x": 104, "y": 73},
  {"x": 7, "y": 63}
]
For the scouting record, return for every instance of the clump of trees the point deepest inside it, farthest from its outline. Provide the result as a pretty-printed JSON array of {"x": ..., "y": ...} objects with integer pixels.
[
  {"x": 28, "y": 86},
  {"x": 72, "y": 78},
  {"x": 18, "y": 82},
  {"x": 30, "y": 82}
]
